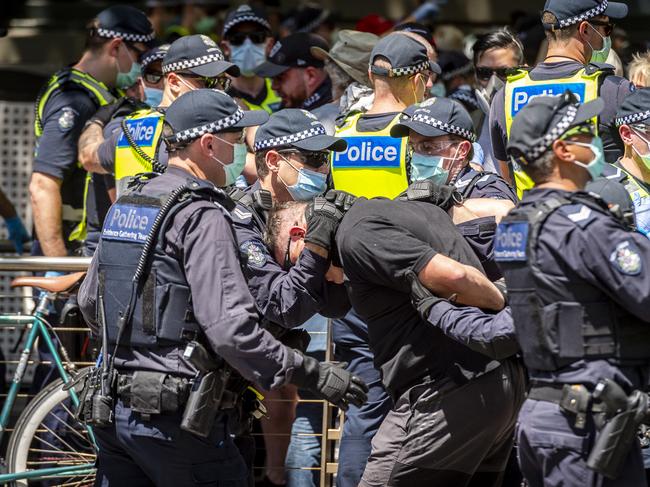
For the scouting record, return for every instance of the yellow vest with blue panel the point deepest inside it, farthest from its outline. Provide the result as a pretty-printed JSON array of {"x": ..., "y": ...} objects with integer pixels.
[
  {"x": 374, "y": 164},
  {"x": 145, "y": 129},
  {"x": 520, "y": 89},
  {"x": 270, "y": 104},
  {"x": 98, "y": 92}
]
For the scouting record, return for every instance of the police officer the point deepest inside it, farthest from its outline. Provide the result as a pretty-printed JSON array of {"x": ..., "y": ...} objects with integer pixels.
[
  {"x": 578, "y": 290},
  {"x": 246, "y": 41},
  {"x": 633, "y": 169},
  {"x": 114, "y": 42},
  {"x": 191, "y": 62},
  {"x": 375, "y": 164},
  {"x": 578, "y": 44},
  {"x": 167, "y": 271},
  {"x": 441, "y": 136}
]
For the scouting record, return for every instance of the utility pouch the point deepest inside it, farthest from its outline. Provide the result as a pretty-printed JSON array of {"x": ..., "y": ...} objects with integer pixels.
[
  {"x": 575, "y": 399},
  {"x": 146, "y": 392}
]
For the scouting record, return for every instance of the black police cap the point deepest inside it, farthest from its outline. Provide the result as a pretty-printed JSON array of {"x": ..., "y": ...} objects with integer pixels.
[
  {"x": 293, "y": 51},
  {"x": 198, "y": 54},
  {"x": 435, "y": 117},
  {"x": 453, "y": 63},
  {"x": 124, "y": 22},
  {"x": 245, "y": 13},
  {"x": 635, "y": 109},
  {"x": 294, "y": 127},
  {"x": 570, "y": 12},
  {"x": 544, "y": 120},
  {"x": 156, "y": 54},
  {"x": 204, "y": 111},
  {"x": 405, "y": 55}
]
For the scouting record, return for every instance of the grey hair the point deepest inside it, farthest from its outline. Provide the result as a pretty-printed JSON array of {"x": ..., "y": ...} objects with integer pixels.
[{"x": 340, "y": 79}]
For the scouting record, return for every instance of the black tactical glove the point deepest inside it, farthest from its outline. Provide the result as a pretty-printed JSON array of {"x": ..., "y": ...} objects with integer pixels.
[
  {"x": 119, "y": 108},
  {"x": 323, "y": 218},
  {"x": 331, "y": 382},
  {"x": 503, "y": 289},
  {"x": 341, "y": 199},
  {"x": 296, "y": 338},
  {"x": 421, "y": 297},
  {"x": 441, "y": 195}
]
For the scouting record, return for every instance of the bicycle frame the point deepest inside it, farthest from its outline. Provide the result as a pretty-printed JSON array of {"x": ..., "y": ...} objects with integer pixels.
[{"x": 37, "y": 328}]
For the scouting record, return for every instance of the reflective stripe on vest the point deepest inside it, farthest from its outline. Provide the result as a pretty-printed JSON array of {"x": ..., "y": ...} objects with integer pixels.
[
  {"x": 270, "y": 104},
  {"x": 146, "y": 129},
  {"x": 641, "y": 200},
  {"x": 374, "y": 164},
  {"x": 520, "y": 89},
  {"x": 98, "y": 92}
]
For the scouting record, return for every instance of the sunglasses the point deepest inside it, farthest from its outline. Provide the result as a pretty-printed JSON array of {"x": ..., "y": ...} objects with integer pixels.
[
  {"x": 295, "y": 233},
  {"x": 238, "y": 38},
  {"x": 608, "y": 27},
  {"x": 484, "y": 73},
  {"x": 152, "y": 77},
  {"x": 314, "y": 159},
  {"x": 219, "y": 83}
]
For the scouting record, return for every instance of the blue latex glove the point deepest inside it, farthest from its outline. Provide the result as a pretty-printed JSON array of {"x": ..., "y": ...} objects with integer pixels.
[{"x": 17, "y": 232}]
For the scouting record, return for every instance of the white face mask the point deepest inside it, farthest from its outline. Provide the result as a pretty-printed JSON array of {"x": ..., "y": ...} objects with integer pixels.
[{"x": 189, "y": 86}]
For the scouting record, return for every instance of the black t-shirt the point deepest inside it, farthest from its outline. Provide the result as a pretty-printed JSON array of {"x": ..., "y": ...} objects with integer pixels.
[{"x": 379, "y": 240}]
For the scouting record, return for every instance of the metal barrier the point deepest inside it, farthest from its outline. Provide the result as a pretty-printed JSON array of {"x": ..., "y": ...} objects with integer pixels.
[{"x": 330, "y": 423}]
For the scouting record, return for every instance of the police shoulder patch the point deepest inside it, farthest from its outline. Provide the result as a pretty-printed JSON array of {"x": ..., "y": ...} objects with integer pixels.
[
  {"x": 67, "y": 119},
  {"x": 254, "y": 252},
  {"x": 511, "y": 241},
  {"x": 626, "y": 258},
  {"x": 581, "y": 215},
  {"x": 241, "y": 215}
]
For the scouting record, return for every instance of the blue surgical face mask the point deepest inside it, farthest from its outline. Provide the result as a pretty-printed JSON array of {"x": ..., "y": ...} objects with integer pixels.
[
  {"x": 597, "y": 164},
  {"x": 424, "y": 166},
  {"x": 248, "y": 56},
  {"x": 128, "y": 79},
  {"x": 309, "y": 185},
  {"x": 438, "y": 90},
  {"x": 235, "y": 168},
  {"x": 152, "y": 96}
]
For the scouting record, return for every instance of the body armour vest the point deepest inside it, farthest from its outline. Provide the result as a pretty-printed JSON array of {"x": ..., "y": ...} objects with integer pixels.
[
  {"x": 560, "y": 319},
  {"x": 162, "y": 306}
]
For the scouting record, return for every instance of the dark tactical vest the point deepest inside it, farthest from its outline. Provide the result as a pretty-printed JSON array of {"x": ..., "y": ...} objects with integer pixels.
[
  {"x": 162, "y": 303},
  {"x": 560, "y": 319}
]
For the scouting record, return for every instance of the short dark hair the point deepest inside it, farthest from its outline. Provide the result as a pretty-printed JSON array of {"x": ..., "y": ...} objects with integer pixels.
[
  {"x": 260, "y": 163},
  {"x": 94, "y": 42},
  {"x": 498, "y": 39},
  {"x": 555, "y": 34}
]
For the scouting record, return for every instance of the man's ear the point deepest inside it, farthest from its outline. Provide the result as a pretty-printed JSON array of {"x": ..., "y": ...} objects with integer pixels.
[
  {"x": 562, "y": 152},
  {"x": 207, "y": 145},
  {"x": 626, "y": 134},
  {"x": 270, "y": 42},
  {"x": 225, "y": 48},
  {"x": 113, "y": 47},
  {"x": 272, "y": 160},
  {"x": 465, "y": 148},
  {"x": 174, "y": 83}
]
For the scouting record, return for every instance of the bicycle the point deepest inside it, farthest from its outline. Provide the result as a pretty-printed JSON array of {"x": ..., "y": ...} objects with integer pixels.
[{"x": 48, "y": 442}]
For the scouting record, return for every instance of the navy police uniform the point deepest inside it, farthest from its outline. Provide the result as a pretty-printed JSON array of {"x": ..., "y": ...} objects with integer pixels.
[{"x": 578, "y": 290}]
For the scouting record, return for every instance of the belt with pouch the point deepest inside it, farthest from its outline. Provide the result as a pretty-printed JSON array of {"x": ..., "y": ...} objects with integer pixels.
[
  {"x": 572, "y": 398},
  {"x": 153, "y": 392}
]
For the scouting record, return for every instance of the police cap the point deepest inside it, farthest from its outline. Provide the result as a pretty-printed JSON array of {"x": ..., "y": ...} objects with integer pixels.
[
  {"x": 204, "y": 111},
  {"x": 570, "y": 12},
  {"x": 544, "y": 120},
  {"x": 198, "y": 54},
  {"x": 294, "y": 127},
  {"x": 405, "y": 55},
  {"x": 246, "y": 13},
  {"x": 293, "y": 51},
  {"x": 156, "y": 54},
  {"x": 435, "y": 117},
  {"x": 635, "y": 109},
  {"x": 124, "y": 22}
]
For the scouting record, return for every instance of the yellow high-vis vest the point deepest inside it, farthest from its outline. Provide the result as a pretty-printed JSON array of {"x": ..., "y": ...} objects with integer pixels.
[
  {"x": 374, "y": 164},
  {"x": 98, "y": 92},
  {"x": 145, "y": 129},
  {"x": 520, "y": 89},
  {"x": 270, "y": 104}
]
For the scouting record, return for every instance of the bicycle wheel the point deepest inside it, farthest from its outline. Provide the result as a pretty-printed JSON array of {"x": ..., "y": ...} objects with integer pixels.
[{"x": 47, "y": 435}]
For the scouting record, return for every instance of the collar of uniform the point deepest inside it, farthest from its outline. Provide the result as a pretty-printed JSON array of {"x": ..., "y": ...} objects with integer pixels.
[{"x": 321, "y": 96}]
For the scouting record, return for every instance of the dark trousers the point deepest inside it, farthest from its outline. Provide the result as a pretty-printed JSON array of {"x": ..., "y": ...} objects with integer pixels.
[
  {"x": 553, "y": 452},
  {"x": 449, "y": 435},
  {"x": 136, "y": 452}
]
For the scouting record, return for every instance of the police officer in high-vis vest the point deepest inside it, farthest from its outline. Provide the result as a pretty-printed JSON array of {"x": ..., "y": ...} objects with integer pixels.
[
  {"x": 578, "y": 45},
  {"x": 166, "y": 289},
  {"x": 633, "y": 169},
  {"x": 246, "y": 41},
  {"x": 376, "y": 164},
  {"x": 114, "y": 42},
  {"x": 578, "y": 287}
]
